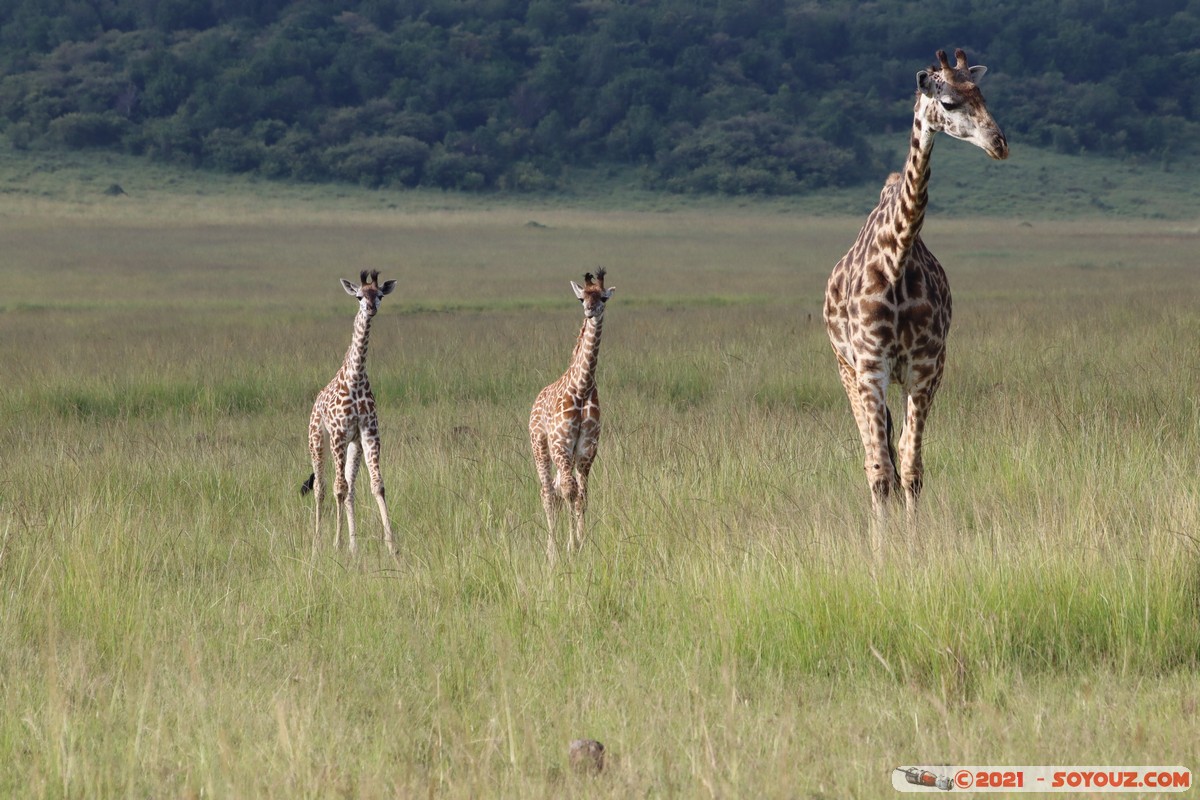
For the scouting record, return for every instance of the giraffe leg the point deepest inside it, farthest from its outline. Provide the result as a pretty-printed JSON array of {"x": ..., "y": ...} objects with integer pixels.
[
  {"x": 565, "y": 485},
  {"x": 316, "y": 449},
  {"x": 550, "y": 499},
  {"x": 564, "y": 479},
  {"x": 371, "y": 447},
  {"x": 919, "y": 399},
  {"x": 881, "y": 472},
  {"x": 867, "y": 398},
  {"x": 850, "y": 384},
  {"x": 589, "y": 436},
  {"x": 912, "y": 467},
  {"x": 338, "y": 448},
  {"x": 353, "y": 460},
  {"x": 577, "y": 529}
]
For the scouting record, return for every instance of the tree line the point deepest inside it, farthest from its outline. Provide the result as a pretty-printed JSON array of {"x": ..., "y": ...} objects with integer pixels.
[{"x": 731, "y": 96}]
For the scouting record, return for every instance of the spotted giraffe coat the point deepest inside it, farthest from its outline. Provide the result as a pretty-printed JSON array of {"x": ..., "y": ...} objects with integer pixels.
[
  {"x": 344, "y": 413},
  {"x": 564, "y": 423},
  {"x": 887, "y": 303}
]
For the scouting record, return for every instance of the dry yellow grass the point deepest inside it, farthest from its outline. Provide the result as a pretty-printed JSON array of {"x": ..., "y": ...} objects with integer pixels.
[{"x": 169, "y": 629}]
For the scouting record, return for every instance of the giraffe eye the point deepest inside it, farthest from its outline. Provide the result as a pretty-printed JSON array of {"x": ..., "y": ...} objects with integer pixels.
[{"x": 949, "y": 105}]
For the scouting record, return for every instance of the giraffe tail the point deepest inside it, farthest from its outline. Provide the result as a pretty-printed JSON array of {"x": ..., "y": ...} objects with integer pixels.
[
  {"x": 891, "y": 447},
  {"x": 307, "y": 486}
]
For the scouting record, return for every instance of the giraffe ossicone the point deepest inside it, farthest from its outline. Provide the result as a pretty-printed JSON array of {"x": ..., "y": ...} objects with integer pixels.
[
  {"x": 344, "y": 415},
  {"x": 887, "y": 303},
  {"x": 564, "y": 423}
]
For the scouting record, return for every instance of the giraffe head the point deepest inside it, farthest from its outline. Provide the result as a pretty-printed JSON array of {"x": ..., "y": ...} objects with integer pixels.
[
  {"x": 949, "y": 100},
  {"x": 370, "y": 293},
  {"x": 592, "y": 294}
]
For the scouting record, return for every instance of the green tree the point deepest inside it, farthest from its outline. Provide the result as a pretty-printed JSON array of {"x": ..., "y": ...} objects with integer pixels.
[{"x": 716, "y": 95}]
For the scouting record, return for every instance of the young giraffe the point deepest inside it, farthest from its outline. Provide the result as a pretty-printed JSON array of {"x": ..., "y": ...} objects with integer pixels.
[
  {"x": 564, "y": 424},
  {"x": 887, "y": 305},
  {"x": 345, "y": 411}
]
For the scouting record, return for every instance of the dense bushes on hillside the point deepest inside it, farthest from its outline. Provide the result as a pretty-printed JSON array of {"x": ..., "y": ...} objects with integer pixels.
[{"x": 738, "y": 96}]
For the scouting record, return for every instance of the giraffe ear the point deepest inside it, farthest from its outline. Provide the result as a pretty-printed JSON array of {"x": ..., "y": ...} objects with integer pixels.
[
  {"x": 608, "y": 293},
  {"x": 977, "y": 72},
  {"x": 578, "y": 289},
  {"x": 924, "y": 83},
  {"x": 387, "y": 287},
  {"x": 350, "y": 288}
]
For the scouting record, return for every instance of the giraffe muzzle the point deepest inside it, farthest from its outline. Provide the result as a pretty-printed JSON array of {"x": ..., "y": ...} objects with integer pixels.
[{"x": 998, "y": 148}]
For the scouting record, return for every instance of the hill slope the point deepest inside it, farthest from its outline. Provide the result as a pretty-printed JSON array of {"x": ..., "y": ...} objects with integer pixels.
[{"x": 763, "y": 97}]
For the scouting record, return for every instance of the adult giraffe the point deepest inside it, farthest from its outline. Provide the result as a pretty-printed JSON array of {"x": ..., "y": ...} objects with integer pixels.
[{"x": 887, "y": 305}]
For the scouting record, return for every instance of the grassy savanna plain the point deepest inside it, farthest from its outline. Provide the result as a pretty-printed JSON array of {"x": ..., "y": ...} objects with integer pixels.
[{"x": 170, "y": 628}]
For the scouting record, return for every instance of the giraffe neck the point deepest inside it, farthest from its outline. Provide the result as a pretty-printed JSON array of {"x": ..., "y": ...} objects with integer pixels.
[
  {"x": 354, "y": 367},
  {"x": 909, "y": 203},
  {"x": 581, "y": 375}
]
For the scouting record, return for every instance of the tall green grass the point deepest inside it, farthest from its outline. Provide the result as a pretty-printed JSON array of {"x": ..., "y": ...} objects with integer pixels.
[{"x": 733, "y": 628}]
